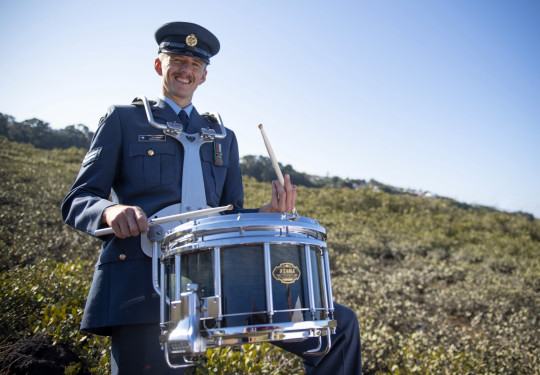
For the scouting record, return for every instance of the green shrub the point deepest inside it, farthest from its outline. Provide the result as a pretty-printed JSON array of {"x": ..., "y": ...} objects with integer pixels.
[
  {"x": 438, "y": 286},
  {"x": 47, "y": 298},
  {"x": 251, "y": 359}
]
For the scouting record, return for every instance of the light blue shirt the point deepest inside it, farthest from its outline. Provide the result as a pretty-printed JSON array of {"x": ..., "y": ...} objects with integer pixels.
[{"x": 176, "y": 108}]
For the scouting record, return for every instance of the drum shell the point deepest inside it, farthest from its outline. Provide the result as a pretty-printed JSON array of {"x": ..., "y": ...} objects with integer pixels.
[{"x": 270, "y": 269}]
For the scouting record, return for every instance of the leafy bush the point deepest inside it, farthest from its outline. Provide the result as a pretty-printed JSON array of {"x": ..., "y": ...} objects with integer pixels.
[
  {"x": 47, "y": 298},
  {"x": 438, "y": 286},
  {"x": 33, "y": 183},
  {"x": 251, "y": 359}
]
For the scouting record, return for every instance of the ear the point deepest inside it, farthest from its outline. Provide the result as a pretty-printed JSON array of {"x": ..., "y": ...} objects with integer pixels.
[
  {"x": 203, "y": 78},
  {"x": 157, "y": 66}
]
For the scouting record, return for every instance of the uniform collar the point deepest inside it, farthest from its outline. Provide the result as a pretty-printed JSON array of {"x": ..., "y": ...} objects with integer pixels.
[{"x": 176, "y": 108}]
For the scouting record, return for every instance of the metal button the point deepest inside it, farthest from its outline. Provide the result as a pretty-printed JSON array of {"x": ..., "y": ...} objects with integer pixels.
[
  {"x": 150, "y": 152},
  {"x": 122, "y": 256}
]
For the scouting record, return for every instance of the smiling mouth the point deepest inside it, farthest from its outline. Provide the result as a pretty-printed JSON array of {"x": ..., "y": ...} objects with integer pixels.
[{"x": 183, "y": 80}]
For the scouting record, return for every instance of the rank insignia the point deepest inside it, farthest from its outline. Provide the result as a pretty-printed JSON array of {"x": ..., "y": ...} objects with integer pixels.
[
  {"x": 191, "y": 40},
  {"x": 91, "y": 156},
  {"x": 218, "y": 154}
]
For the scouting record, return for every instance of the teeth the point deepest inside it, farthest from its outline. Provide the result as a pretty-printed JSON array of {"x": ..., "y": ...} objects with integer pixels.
[{"x": 183, "y": 80}]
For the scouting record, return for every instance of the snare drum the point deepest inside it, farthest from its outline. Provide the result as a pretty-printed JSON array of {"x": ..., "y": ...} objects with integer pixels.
[{"x": 234, "y": 279}]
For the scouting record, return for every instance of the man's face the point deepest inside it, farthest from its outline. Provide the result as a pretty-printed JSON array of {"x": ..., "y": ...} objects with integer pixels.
[{"x": 181, "y": 75}]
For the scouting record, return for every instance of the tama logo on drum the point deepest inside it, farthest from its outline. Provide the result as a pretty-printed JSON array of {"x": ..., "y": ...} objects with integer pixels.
[{"x": 287, "y": 273}]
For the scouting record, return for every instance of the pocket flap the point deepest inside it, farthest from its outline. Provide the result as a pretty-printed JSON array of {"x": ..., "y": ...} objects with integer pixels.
[{"x": 151, "y": 149}]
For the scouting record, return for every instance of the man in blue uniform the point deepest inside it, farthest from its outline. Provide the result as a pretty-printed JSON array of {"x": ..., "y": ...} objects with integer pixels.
[{"x": 133, "y": 170}]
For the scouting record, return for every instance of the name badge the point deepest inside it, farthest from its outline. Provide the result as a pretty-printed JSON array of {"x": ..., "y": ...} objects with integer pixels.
[{"x": 152, "y": 138}]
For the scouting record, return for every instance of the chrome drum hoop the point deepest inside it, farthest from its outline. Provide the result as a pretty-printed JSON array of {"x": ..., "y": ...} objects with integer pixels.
[{"x": 243, "y": 229}]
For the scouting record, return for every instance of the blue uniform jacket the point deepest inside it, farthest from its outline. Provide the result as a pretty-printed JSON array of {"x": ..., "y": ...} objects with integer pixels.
[{"x": 126, "y": 164}]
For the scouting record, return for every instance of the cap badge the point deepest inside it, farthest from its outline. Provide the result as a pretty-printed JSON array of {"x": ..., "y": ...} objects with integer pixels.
[{"x": 191, "y": 40}]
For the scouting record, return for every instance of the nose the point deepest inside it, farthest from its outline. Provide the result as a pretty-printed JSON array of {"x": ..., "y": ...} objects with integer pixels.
[{"x": 184, "y": 66}]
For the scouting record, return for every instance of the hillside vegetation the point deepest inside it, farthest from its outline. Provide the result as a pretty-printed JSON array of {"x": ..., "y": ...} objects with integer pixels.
[{"x": 438, "y": 287}]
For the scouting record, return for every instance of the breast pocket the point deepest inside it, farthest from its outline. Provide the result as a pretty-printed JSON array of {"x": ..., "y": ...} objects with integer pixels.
[{"x": 158, "y": 163}]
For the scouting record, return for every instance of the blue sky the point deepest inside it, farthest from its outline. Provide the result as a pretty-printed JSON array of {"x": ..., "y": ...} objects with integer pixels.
[{"x": 441, "y": 96}]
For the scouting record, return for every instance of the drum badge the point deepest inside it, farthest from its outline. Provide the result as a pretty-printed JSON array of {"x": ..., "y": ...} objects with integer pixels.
[
  {"x": 218, "y": 154},
  {"x": 287, "y": 273},
  {"x": 191, "y": 40}
]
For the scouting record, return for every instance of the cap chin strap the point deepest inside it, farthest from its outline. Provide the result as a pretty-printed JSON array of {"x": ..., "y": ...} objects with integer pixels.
[{"x": 170, "y": 47}]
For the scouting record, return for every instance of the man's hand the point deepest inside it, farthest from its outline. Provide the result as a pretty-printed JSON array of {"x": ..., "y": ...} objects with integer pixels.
[
  {"x": 125, "y": 221},
  {"x": 283, "y": 197}
]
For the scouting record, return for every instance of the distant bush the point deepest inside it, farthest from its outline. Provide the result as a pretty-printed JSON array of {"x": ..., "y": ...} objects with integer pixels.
[
  {"x": 261, "y": 169},
  {"x": 39, "y": 134}
]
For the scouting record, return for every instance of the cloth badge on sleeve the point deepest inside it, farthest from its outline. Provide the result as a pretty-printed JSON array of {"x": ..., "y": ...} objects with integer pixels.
[
  {"x": 91, "y": 156},
  {"x": 152, "y": 138}
]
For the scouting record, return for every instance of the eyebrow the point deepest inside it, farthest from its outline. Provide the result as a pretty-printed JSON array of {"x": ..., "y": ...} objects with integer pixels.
[{"x": 182, "y": 57}]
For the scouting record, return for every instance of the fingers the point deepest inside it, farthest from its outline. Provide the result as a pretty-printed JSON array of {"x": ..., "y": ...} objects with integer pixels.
[
  {"x": 274, "y": 203},
  {"x": 126, "y": 221},
  {"x": 290, "y": 194},
  {"x": 283, "y": 197},
  {"x": 292, "y": 203},
  {"x": 141, "y": 221}
]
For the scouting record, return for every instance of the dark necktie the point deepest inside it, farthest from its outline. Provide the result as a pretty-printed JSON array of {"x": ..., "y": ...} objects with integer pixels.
[{"x": 184, "y": 119}]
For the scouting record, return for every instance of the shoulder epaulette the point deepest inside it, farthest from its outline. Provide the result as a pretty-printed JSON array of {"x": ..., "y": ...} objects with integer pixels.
[
  {"x": 210, "y": 117},
  {"x": 138, "y": 101}
]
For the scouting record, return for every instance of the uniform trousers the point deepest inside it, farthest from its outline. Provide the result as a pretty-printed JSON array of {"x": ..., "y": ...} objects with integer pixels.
[{"x": 136, "y": 349}]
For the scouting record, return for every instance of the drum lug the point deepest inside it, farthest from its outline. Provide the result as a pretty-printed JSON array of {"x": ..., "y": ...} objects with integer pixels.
[{"x": 210, "y": 307}]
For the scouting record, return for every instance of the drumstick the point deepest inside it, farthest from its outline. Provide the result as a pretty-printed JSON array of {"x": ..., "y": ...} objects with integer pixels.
[
  {"x": 273, "y": 160},
  {"x": 272, "y": 156},
  {"x": 177, "y": 217}
]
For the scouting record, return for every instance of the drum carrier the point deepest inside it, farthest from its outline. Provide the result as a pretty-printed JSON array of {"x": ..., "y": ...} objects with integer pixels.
[{"x": 234, "y": 279}]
